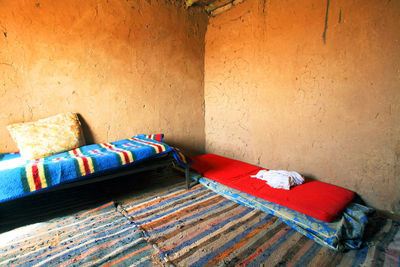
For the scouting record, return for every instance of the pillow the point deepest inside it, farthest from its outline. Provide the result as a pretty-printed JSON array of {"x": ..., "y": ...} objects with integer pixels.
[{"x": 48, "y": 136}]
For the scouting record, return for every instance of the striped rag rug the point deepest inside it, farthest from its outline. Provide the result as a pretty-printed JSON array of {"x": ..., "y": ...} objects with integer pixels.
[
  {"x": 94, "y": 237},
  {"x": 198, "y": 227}
]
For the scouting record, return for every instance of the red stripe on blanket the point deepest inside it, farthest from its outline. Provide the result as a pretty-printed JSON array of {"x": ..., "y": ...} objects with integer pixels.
[
  {"x": 36, "y": 178},
  {"x": 85, "y": 165},
  {"x": 158, "y": 146},
  {"x": 107, "y": 145},
  {"x": 154, "y": 144},
  {"x": 126, "y": 157},
  {"x": 158, "y": 137}
]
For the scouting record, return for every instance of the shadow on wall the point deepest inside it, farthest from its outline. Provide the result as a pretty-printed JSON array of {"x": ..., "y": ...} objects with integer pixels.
[
  {"x": 185, "y": 147},
  {"x": 87, "y": 132}
]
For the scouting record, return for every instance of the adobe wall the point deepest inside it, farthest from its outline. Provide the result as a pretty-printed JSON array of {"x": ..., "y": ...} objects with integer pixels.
[
  {"x": 312, "y": 86},
  {"x": 127, "y": 67}
]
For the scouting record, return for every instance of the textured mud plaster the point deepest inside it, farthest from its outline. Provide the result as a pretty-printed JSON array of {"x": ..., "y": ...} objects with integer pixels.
[
  {"x": 277, "y": 95},
  {"x": 127, "y": 67}
]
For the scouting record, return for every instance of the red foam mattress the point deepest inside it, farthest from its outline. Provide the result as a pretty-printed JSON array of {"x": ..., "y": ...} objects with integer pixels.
[{"x": 317, "y": 199}]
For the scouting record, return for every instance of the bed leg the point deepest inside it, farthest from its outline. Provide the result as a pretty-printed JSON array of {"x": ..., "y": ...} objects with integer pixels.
[{"x": 187, "y": 177}]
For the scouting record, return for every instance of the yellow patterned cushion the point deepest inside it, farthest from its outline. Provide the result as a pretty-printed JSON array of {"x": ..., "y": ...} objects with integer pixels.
[{"x": 48, "y": 136}]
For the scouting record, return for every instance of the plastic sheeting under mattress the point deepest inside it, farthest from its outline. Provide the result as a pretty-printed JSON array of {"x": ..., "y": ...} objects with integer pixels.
[{"x": 345, "y": 232}]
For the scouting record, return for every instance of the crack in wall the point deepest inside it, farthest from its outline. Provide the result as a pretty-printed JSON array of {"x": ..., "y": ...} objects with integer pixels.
[{"x": 326, "y": 22}]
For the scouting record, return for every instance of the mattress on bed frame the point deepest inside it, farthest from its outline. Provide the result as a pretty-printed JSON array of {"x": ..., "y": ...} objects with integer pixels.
[{"x": 20, "y": 178}]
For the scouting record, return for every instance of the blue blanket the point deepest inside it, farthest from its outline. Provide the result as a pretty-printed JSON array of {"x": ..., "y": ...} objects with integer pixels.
[{"x": 20, "y": 178}]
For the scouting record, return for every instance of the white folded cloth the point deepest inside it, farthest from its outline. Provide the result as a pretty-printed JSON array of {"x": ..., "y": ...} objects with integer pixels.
[{"x": 280, "y": 178}]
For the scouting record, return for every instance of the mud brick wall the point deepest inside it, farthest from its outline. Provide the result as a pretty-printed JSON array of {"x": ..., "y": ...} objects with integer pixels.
[
  {"x": 127, "y": 67},
  {"x": 312, "y": 86}
]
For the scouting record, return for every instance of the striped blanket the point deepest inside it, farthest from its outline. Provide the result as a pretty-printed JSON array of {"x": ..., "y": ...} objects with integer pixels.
[
  {"x": 199, "y": 227},
  {"x": 95, "y": 237},
  {"x": 20, "y": 178}
]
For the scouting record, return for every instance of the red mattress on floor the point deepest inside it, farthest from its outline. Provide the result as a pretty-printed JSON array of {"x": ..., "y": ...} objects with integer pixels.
[{"x": 317, "y": 199}]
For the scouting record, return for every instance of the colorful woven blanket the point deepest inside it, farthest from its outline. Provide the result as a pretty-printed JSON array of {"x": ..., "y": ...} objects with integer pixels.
[
  {"x": 96, "y": 237},
  {"x": 19, "y": 178},
  {"x": 199, "y": 227}
]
